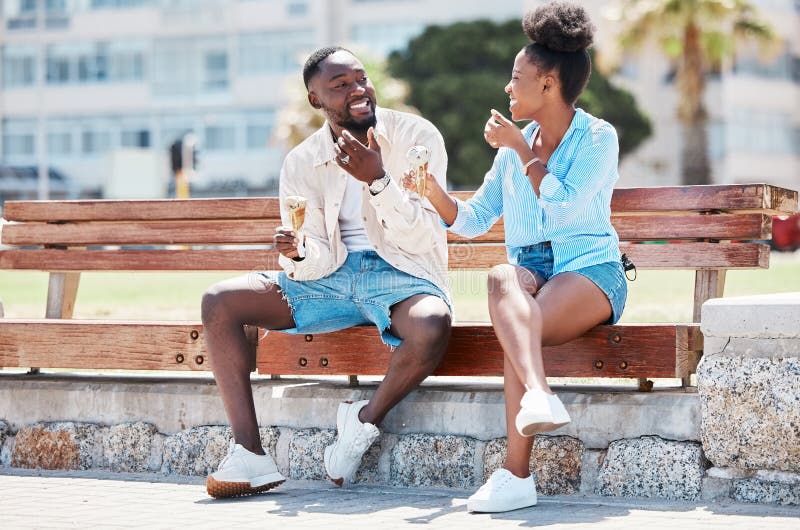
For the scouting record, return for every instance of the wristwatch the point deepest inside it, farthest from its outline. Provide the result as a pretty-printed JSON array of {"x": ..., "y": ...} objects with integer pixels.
[{"x": 379, "y": 184}]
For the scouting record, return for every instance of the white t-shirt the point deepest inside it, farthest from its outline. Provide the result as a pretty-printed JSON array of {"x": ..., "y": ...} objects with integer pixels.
[{"x": 351, "y": 226}]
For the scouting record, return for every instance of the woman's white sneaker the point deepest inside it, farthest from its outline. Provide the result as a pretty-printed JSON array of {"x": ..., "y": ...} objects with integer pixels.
[
  {"x": 243, "y": 473},
  {"x": 540, "y": 412},
  {"x": 503, "y": 492}
]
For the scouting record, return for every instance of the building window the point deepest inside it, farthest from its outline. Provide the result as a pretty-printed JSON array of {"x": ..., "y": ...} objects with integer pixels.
[
  {"x": 135, "y": 138},
  {"x": 59, "y": 143},
  {"x": 297, "y": 8},
  {"x": 259, "y": 129},
  {"x": 20, "y": 14},
  {"x": 386, "y": 38},
  {"x": 96, "y": 136},
  {"x": 19, "y": 66},
  {"x": 219, "y": 137},
  {"x": 216, "y": 71},
  {"x": 277, "y": 52},
  {"x": 19, "y": 139}
]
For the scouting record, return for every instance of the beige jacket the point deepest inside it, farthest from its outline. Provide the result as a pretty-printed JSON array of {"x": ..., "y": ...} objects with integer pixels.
[{"x": 404, "y": 231}]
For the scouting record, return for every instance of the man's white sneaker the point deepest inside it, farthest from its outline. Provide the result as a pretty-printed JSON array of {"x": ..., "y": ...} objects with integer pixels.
[
  {"x": 540, "y": 412},
  {"x": 503, "y": 492},
  {"x": 344, "y": 456},
  {"x": 243, "y": 473}
]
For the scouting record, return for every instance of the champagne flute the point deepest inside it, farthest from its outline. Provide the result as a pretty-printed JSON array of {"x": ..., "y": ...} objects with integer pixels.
[
  {"x": 296, "y": 207},
  {"x": 418, "y": 157}
]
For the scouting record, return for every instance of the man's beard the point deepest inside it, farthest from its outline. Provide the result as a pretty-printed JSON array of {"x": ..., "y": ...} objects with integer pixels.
[{"x": 358, "y": 126}]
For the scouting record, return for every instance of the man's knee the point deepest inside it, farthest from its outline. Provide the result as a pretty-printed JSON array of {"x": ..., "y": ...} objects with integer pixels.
[{"x": 432, "y": 331}]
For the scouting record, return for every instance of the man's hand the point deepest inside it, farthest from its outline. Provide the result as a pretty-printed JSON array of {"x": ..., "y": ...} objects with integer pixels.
[
  {"x": 286, "y": 242},
  {"x": 364, "y": 162}
]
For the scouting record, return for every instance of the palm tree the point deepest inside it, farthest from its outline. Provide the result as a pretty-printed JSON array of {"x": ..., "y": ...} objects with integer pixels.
[{"x": 698, "y": 35}]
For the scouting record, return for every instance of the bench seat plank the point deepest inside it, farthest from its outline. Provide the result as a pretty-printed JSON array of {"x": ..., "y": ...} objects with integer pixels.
[
  {"x": 462, "y": 257},
  {"x": 633, "y": 350}
]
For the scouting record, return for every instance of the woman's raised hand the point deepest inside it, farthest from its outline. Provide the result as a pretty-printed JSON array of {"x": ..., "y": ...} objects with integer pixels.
[{"x": 502, "y": 132}]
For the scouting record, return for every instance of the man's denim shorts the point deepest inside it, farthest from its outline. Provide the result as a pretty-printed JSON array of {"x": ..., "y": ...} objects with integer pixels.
[
  {"x": 609, "y": 276},
  {"x": 361, "y": 292}
]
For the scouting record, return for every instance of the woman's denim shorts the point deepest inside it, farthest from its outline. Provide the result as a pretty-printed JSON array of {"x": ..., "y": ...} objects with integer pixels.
[
  {"x": 361, "y": 292},
  {"x": 609, "y": 276}
]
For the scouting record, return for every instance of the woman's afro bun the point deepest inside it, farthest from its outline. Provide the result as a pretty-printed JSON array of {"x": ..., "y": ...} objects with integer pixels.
[{"x": 559, "y": 26}]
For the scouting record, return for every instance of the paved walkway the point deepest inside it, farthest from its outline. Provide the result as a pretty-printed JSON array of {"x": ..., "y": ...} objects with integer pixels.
[{"x": 36, "y": 499}]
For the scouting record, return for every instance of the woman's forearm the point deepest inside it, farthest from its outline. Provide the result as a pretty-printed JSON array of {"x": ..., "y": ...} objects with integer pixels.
[{"x": 445, "y": 205}]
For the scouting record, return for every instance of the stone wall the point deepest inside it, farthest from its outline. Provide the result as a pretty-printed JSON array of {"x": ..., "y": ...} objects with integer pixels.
[
  {"x": 749, "y": 386},
  {"x": 658, "y": 468}
]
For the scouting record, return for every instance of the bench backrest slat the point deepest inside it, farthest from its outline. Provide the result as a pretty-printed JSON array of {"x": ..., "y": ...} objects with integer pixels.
[
  {"x": 260, "y": 231},
  {"x": 682, "y": 214},
  {"x": 626, "y": 201},
  {"x": 463, "y": 257}
]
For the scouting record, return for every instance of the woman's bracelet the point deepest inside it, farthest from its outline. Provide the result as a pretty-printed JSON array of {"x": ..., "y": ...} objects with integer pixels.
[{"x": 528, "y": 164}]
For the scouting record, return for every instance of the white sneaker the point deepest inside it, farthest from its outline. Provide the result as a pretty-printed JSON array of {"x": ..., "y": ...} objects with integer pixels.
[
  {"x": 243, "y": 473},
  {"x": 503, "y": 492},
  {"x": 540, "y": 412},
  {"x": 344, "y": 456}
]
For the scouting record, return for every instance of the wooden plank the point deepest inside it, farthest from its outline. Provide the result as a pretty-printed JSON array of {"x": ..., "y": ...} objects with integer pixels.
[
  {"x": 629, "y": 228},
  {"x": 693, "y": 226},
  {"x": 142, "y": 210},
  {"x": 141, "y": 233},
  {"x": 140, "y": 260},
  {"x": 761, "y": 198},
  {"x": 636, "y": 350},
  {"x": 61, "y": 293},
  {"x": 698, "y": 255},
  {"x": 708, "y": 284},
  {"x": 732, "y": 197},
  {"x": 689, "y": 349},
  {"x": 100, "y": 345},
  {"x": 689, "y": 256}
]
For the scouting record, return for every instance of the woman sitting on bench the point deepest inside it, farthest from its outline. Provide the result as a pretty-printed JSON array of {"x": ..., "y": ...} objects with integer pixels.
[{"x": 552, "y": 182}]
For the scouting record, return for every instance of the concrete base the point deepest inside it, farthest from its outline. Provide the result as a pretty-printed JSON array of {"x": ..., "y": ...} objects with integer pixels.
[{"x": 599, "y": 416}]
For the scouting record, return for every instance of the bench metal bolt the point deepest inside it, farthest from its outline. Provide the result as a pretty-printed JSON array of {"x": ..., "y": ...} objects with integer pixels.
[
  {"x": 194, "y": 334},
  {"x": 199, "y": 359},
  {"x": 323, "y": 362},
  {"x": 598, "y": 364},
  {"x": 309, "y": 338},
  {"x": 179, "y": 358},
  {"x": 623, "y": 365},
  {"x": 615, "y": 338},
  {"x": 302, "y": 361}
]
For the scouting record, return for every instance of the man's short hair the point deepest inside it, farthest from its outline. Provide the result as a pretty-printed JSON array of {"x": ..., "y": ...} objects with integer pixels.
[{"x": 311, "y": 68}]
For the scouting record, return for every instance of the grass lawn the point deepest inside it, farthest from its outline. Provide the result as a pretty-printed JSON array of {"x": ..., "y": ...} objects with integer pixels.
[{"x": 655, "y": 296}]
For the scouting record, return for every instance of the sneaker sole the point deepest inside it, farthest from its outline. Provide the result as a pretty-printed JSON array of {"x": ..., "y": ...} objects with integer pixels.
[
  {"x": 223, "y": 490},
  {"x": 532, "y": 429},
  {"x": 326, "y": 458},
  {"x": 484, "y": 506}
]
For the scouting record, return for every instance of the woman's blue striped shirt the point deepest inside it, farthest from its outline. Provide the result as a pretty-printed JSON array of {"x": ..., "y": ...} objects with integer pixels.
[{"x": 573, "y": 210}]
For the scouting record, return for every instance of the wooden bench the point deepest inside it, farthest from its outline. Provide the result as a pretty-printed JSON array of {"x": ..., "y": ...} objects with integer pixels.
[{"x": 718, "y": 228}]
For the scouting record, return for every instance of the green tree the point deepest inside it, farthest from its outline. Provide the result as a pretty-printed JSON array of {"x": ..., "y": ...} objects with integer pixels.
[
  {"x": 697, "y": 35},
  {"x": 456, "y": 73}
]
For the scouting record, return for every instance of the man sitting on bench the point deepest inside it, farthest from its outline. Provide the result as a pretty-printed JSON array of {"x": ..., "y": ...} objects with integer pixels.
[{"x": 367, "y": 253}]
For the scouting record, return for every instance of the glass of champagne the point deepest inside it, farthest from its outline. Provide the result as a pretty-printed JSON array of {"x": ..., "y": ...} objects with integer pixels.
[
  {"x": 418, "y": 157},
  {"x": 296, "y": 207}
]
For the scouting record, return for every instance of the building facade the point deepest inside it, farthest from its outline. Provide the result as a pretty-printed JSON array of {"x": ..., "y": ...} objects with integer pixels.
[{"x": 83, "y": 82}]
